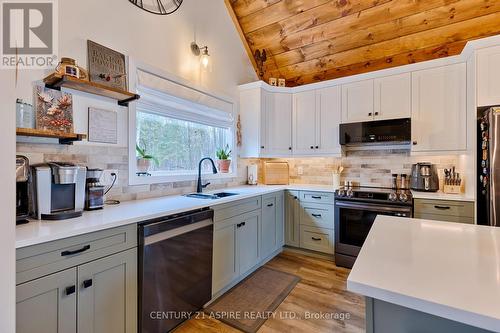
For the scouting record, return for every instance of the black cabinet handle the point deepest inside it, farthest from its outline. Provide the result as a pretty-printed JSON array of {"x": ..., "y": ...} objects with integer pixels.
[
  {"x": 312, "y": 147},
  {"x": 316, "y": 215},
  {"x": 238, "y": 225},
  {"x": 70, "y": 253},
  {"x": 243, "y": 224},
  {"x": 317, "y": 147},
  {"x": 87, "y": 283},
  {"x": 442, "y": 207},
  {"x": 376, "y": 113},
  {"x": 315, "y": 239},
  {"x": 70, "y": 290},
  {"x": 414, "y": 143},
  {"x": 261, "y": 147},
  {"x": 270, "y": 205},
  {"x": 295, "y": 197},
  {"x": 316, "y": 197},
  {"x": 289, "y": 148},
  {"x": 370, "y": 114}
]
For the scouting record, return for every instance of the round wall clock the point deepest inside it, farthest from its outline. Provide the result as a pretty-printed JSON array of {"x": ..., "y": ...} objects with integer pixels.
[{"x": 159, "y": 7}]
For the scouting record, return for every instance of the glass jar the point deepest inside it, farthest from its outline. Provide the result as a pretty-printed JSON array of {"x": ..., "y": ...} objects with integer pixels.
[{"x": 25, "y": 116}]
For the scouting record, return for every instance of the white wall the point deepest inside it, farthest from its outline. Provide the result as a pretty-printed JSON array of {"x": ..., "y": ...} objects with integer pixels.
[{"x": 160, "y": 41}]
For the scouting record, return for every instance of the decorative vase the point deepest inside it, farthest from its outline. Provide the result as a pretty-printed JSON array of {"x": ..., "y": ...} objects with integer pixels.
[
  {"x": 143, "y": 165},
  {"x": 224, "y": 165}
]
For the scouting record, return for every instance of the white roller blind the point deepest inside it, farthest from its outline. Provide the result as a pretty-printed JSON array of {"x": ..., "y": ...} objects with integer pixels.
[{"x": 162, "y": 96}]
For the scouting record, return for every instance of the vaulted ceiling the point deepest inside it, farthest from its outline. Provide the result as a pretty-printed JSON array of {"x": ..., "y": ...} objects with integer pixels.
[{"x": 314, "y": 40}]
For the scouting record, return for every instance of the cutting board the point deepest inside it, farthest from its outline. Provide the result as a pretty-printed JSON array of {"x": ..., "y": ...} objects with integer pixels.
[{"x": 276, "y": 173}]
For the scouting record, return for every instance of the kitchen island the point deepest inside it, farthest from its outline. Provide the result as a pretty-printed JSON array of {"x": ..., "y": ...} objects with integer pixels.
[{"x": 421, "y": 275}]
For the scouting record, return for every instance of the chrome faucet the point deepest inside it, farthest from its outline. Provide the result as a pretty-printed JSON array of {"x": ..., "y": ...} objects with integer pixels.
[{"x": 200, "y": 187}]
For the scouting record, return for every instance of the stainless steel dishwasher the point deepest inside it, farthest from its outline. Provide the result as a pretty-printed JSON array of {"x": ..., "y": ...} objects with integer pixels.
[{"x": 175, "y": 269}]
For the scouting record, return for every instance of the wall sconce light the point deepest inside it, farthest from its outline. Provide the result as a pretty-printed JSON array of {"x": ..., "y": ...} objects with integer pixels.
[{"x": 201, "y": 52}]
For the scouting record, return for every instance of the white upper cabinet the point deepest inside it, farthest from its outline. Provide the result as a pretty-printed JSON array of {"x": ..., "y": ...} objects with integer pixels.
[
  {"x": 266, "y": 121},
  {"x": 357, "y": 101},
  {"x": 328, "y": 117},
  {"x": 439, "y": 109},
  {"x": 278, "y": 124},
  {"x": 488, "y": 74},
  {"x": 304, "y": 123},
  {"x": 392, "y": 98}
]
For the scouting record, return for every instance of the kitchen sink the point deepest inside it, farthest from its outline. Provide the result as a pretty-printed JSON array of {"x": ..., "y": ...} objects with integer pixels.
[{"x": 210, "y": 196}]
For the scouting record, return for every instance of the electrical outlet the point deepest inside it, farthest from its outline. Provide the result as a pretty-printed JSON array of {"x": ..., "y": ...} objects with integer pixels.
[
  {"x": 300, "y": 170},
  {"x": 107, "y": 178}
]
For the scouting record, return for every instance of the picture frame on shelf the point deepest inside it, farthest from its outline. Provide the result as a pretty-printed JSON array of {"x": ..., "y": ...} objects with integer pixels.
[
  {"x": 53, "y": 110},
  {"x": 106, "y": 66}
]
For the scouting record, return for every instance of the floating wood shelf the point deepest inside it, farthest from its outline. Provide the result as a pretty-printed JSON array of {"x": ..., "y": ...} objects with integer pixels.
[
  {"x": 56, "y": 81},
  {"x": 64, "y": 138}
]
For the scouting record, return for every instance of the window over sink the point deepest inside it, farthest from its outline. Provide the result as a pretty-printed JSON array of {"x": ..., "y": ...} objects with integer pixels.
[{"x": 172, "y": 126}]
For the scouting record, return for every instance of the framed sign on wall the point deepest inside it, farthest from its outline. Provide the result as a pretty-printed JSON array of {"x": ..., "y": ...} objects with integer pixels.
[
  {"x": 103, "y": 126},
  {"x": 106, "y": 66}
]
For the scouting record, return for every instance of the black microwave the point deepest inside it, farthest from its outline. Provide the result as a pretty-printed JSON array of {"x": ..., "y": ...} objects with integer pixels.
[{"x": 393, "y": 131}]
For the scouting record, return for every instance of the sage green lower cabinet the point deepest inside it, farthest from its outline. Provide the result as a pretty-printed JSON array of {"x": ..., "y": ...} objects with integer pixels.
[
  {"x": 107, "y": 294},
  {"x": 47, "y": 304},
  {"x": 235, "y": 249},
  {"x": 292, "y": 215},
  {"x": 79, "y": 284},
  {"x": 444, "y": 210},
  {"x": 272, "y": 223}
]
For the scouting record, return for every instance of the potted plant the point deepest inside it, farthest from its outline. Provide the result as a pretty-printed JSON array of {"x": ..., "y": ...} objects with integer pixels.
[
  {"x": 223, "y": 161},
  {"x": 144, "y": 160}
]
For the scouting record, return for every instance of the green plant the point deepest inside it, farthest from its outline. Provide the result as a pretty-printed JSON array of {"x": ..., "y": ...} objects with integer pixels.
[
  {"x": 141, "y": 153},
  {"x": 223, "y": 153}
]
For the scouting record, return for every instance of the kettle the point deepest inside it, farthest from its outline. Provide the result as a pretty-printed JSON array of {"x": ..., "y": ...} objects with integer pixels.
[{"x": 424, "y": 177}]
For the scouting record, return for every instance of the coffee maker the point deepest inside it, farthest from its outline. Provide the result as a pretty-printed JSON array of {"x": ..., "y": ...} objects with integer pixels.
[
  {"x": 424, "y": 177},
  {"x": 94, "y": 191},
  {"x": 59, "y": 190},
  {"x": 22, "y": 189}
]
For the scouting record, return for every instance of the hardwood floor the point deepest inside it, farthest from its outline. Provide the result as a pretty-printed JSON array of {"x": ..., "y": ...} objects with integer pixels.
[{"x": 321, "y": 291}]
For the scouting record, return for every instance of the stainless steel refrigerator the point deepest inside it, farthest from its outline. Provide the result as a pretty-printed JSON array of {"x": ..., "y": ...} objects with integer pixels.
[{"x": 488, "y": 187}]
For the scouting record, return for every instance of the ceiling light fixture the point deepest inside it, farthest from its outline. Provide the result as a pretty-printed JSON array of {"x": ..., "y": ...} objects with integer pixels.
[{"x": 201, "y": 52}]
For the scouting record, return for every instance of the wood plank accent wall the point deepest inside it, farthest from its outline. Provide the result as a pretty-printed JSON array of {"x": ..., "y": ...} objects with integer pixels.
[{"x": 314, "y": 40}]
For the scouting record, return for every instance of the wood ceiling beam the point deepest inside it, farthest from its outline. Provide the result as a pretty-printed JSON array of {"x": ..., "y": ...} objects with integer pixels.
[
  {"x": 478, "y": 27},
  {"x": 242, "y": 35},
  {"x": 430, "y": 19}
]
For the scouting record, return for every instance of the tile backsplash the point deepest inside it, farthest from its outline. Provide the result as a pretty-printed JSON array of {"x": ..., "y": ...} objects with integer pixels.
[
  {"x": 116, "y": 158},
  {"x": 366, "y": 167}
]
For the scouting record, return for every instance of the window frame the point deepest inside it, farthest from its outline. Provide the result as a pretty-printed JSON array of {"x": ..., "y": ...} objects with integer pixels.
[{"x": 133, "y": 178}]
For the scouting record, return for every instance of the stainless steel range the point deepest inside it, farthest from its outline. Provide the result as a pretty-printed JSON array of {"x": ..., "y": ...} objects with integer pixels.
[{"x": 355, "y": 211}]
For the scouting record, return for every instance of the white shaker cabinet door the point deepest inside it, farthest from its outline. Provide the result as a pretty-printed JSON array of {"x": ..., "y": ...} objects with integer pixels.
[
  {"x": 328, "y": 117},
  {"x": 488, "y": 76},
  {"x": 278, "y": 124},
  {"x": 393, "y": 97},
  {"x": 439, "y": 109},
  {"x": 304, "y": 123},
  {"x": 357, "y": 101}
]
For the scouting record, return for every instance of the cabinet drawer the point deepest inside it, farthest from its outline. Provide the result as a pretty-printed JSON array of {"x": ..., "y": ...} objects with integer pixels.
[
  {"x": 231, "y": 209},
  {"x": 316, "y": 239},
  {"x": 43, "y": 259},
  {"x": 316, "y": 197},
  {"x": 444, "y": 207},
  {"x": 317, "y": 215},
  {"x": 446, "y": 218}
]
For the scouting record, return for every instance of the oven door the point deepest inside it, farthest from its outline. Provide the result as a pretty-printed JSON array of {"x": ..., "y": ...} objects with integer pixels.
[{"x": 353, "y": 221}]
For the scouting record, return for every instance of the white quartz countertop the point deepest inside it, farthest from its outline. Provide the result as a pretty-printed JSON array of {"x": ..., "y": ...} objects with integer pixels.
[
  {"x": 441, "y": 196},
  {"x": 37, "y": 232},
  {"x": 446, "y": 269}
]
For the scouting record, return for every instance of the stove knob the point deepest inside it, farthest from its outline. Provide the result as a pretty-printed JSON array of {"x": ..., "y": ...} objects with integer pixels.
[
  {"x": 403, "y": 197},
  {"x": 349, "y": 193},
  {"x": 393, "y": 196},
  {"x": 341, "y": 193}
]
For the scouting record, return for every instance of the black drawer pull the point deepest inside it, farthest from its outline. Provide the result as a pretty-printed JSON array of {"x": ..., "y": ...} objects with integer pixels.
[
  {"x": 316, "y": 215},
  {"x": 238, "y": 225},
  {"x": 315, "y": 239},
  {"x": 87, "y": 283},
  {"x": 70, "y": 290},
  {"x": 243, "y": 224},
  {"x": 316, "y": 197},
  {"x": 270, "y": 205},
  {"x": 70, "y": 253},
  {"x": 442, "y": 207}
]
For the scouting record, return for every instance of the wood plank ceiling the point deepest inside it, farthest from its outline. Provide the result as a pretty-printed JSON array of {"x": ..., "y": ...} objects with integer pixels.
[{"x": 314, "y": 40}]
